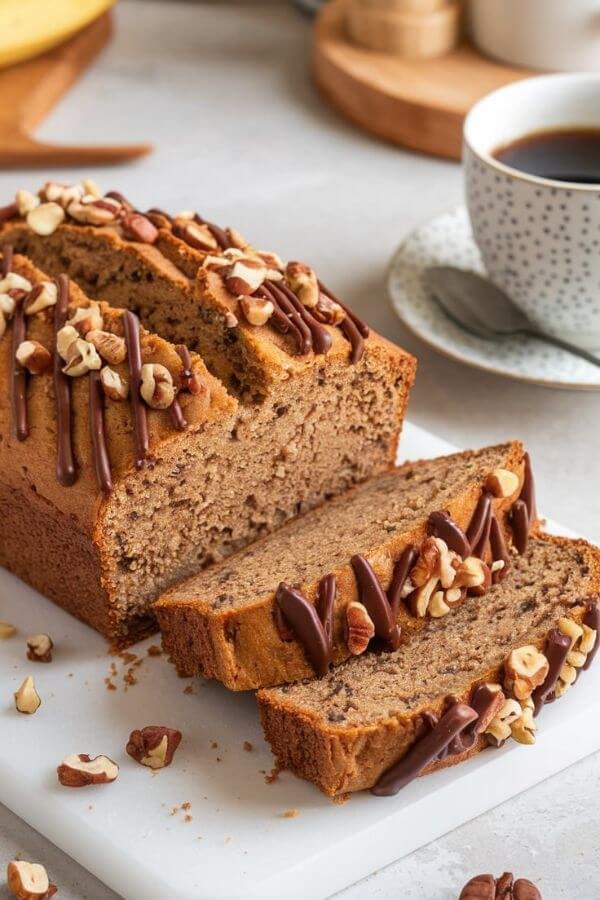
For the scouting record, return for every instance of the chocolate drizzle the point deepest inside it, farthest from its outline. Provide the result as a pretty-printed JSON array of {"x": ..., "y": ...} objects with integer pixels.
[
  {"x": 177, "y": 418},
  {"x": 401, "y": 572},
  {"x": 556, "y": 651},
  {"x": 97, "y": 435},
  {"x": 7, "y": 259},
  {"x": 320, "y": 339},
  {"x": 353, "y": 327},
  {"x": 298, "y": 326},
  {"x": 18, "y": 381},
  {"x": 528, "y": 491},
  {"x": 426, "y": 750},
  {"x": 326, "y": 604},
  {"x": 442, "y": 525},
  {"x": 478, "y": 532},
  {"x": 131, "y": 327},
  {"x": 303, "y": 618},
  {"x": 519, "y": 520},
  {"x": 499, "y": 549},
  {"x": 592, "y": 620},
  {"x": 377, "y": 604},
  {"x": 66, "y": 470}
]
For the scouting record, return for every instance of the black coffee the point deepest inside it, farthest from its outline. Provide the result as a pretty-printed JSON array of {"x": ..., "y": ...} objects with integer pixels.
[{"x": 571, "y": 154}]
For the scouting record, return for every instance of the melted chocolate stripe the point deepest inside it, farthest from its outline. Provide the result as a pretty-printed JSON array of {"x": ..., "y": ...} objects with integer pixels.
[
  {"x": 480, "y": 548},
  {"x": 66, "y": 470},
  {"x": 499, "y": 549},
  {"x": 479, "y": 520},
  {"x": 134, "y": 356},
  {"x": 219, "y": 235},
  {"x": 7, "y": 259},
  {"x": 442, "y": 525},
  {"x": 178, "y": 420},
  {"x": 556, "y": 651},
  {"x": 321, "y": 339},
  {"x": 592, "y": 620},
  {"x": 97, "y": 434},
  {"x": 278, "y": 297},
  {"x": 402, "y": 569},
  {"x": 18, "y": 381},
  {"x": 519, "y": 519},
  {"x": 326, "y": 604},
  {"x": 357, "y": 344},
  {"x": 528, "y": 491},
  {"x": 279, "y": 320},
  {"x": 306, "y": 624},
  {"x": 362, "y": 326},
  {"x": 425, "y": 750},
  {"x": 377, "y": 605}
]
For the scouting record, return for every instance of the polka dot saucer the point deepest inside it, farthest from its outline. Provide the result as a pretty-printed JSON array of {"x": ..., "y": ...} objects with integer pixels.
[{"x": 448, "y": 240}]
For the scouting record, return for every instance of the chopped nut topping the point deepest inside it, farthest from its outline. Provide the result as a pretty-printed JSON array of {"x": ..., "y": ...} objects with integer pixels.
[
  {"x": 154, "y": 746},
  {"x": 6, "y": 631},
  {"x": 39, "y": 648},
  {"x": 82, "y": 357},
  {"x": 474, "y": 575},
  {"x": 499, "y": 728},
  {"x": 583, "y": 639},
  {"x": 86, "y": 318},
  {"x": 502, "y": 483},
  {"x": 197, "y": 236},
  {"x": 256, "y": 311},
  {"x": 244, "y": 277},
  {"x": 113, "y": 385},
  {"x": 28, "y": 881},
  {"x": 93, "y": 211},
  {"x": 139, "y": 228},
  {"x": 79, "y": 770},
  {"x": 27, "y": 699},
  {"x": 26, "y": 201},
  {"x": 360, "y": 628},
  {"x": 14, "y": 281},
  {"x": 45, "y": 218},
  {"x": 7, "y": 305},
  {"x": 271, "y": 260},
  {"x": 157, "y": 387},
  {"x": 64, "y": 338},
  {"x": 523, "y": 729},
  {"x": 34, "y": 357},
  {"x": 437, "y": 606},
  {"x": 111, "y": 347},
  {"x": 524, "y": 670},
  {"x": 42, "y": 296},
  {"x": 328, "y": 311},
  {"x": 303, "y": 282}
]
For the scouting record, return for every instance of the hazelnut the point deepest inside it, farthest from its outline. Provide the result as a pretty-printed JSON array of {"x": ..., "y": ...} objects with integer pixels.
[
  {"x": 34, "y": 357},
  {"x": 93, "y": 212},
  {"x": 498, "y": 730},
  {"x": 113, "y": 385},
  {"x": 488, "y": 715},
  {"x": 153, "y": 746},
  {"x": 523, "y": 729},
  {"x": 244, "y": 277},
  {"x": 28, "y": 881},
  {"x": 197, "y": 236},
  {"x": 6, "y": 631},
  {"x": 474, "y": 575},
  {"x": 66, "y": 336},
  {"x": 7, "y": 305},
  {"x": 79, "y": 770},
  {"x": 139, "y": 228},
  {"x": 27, "y": 699},
  {"x": 91, "y": 188},
  {"x": 26, "y": 201},
  {"x": 40, "y": 297},
  {"x": 45, "y": 218},
  {"x": 437, "y": 606},
  {"x": 256, "y": 311},
  {"x": 421, "y": 597},
  {"x": 86, "y": 318},
  {"x": 360, "y": 628},
  {"x": 271, "y": 260},
  {"x": 303, "y": 282},
  {"x": 446, "y": 563},
  {"x": 39, "y": 648},
  {"x": 82, "y": 357},
  {"x": 524, "y": 670},
  {"x": 237, "y": 239},
  {"x": 14, "y": 281},
  {"x": 328, "y": 311},
  {"x": 502, "y": 483},
  {"x": 111, "y": 347},
  {"x": 157, "y": 386}
]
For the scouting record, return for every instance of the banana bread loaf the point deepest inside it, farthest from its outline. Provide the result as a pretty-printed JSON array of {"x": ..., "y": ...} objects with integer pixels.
[
  {"x": 465, "y": 682},
  {"x": 312, "y": 594}
]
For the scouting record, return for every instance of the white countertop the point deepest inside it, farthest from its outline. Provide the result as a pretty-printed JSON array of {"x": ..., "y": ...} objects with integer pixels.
[{"x": 223, "y": 91}]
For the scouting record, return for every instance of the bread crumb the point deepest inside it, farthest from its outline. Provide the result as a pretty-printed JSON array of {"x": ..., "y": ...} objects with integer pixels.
[
  {"x": 214, "y": 745},
  {"x": 187, "y": 818},
  {"x": 187, "y": 805},
  {"x": 154, "y": 650},
  {"x": 189, "y": 689},
  {"x": 248, "y": 747},
  {"x": 340, "y": 799},
  {"x": 273, "y": 775},
  {"x": 291, "y": 814}
]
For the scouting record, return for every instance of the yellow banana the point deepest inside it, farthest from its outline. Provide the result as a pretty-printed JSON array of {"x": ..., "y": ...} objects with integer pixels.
[{"x": 29, "y": 27}]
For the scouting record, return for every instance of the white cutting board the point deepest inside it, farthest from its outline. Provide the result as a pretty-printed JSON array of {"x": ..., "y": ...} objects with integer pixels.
[{"x": 238, "y": 843}]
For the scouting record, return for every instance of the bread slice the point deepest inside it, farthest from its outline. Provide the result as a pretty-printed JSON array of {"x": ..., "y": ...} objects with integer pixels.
[
  {"x": 225, "y": 623},
  {"x": 199, "y": 492},
  {"x": 373, "y": 721}
]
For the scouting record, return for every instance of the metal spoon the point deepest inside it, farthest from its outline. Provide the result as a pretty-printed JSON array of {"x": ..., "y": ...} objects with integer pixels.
[{"x": 482, "y": 309}]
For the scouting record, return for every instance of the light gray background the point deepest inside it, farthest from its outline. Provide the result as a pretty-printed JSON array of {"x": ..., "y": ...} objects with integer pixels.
[{"x": 224, "y": 92}]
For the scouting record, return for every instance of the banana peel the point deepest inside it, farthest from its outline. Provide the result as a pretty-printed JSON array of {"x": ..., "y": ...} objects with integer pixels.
[{"x": 30, "y": 27}]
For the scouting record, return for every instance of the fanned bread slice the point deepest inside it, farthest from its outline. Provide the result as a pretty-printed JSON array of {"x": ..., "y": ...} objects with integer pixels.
[
  {"x": 226, "y": 622},
  {"x": 373, "y": 721}
]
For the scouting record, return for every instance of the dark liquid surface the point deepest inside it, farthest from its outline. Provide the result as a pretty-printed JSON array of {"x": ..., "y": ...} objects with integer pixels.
[{"x": 563, "y": 155}]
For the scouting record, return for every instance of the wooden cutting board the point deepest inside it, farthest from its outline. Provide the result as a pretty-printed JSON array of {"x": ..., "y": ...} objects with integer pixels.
[
  {"x": 419, "y": 104},
  {"x": 30, "y": 89}
]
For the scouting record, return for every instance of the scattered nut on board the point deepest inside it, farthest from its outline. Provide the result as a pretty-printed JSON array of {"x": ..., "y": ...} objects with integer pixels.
[
  {"x": 79, "y": 770},
  {"x": 6, "y": 630},
  {"x": 28, "y": 881},
  {"x": 27, "y": 699},
  {"x": 39, "y": 648},
  {"x": 486, "y": 887},
  {"x": 153, "y": 746}
]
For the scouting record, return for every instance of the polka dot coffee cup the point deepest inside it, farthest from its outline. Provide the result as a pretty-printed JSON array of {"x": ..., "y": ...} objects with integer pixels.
[{"x": 539, "y": 238}]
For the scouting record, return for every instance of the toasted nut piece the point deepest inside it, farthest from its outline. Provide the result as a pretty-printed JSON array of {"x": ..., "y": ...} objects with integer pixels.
[
  {"x": 360, "y": 628},
  {"x": 256, "y": 311},
  {"x": 28, "y": 881},
  {"x": 90, "y": 187},
  {"x": 14, "y": 281},
  {"x": 303, "y": 282},
  {"x": 328, "y": 311},
  {"x": 6, "y": 630},
  {"x": 437, "y": 606},
  {"x": 427, "y": 564},
  {"x": 111, "y": 347},
  {"x": 448, "y": 560},
  {"x": 7, "y": 305},
  {"x": 523, "y": 729},
  {"x": 244, "y": 277},
  {"x": 587, "y": 642},
  {"x": 94, "y": 212},
  {"x": 197, "y": 236},
  {"x": 270, "y": 259},
  {"x": 42, "y": 296},
  {"x": 66, "y": 336},
  {"x": 420, "y": 599},
  {"x": 499, "y": 728},
  {"x": 230, "y": 320},
  {"x": 567, "y": 677},
  {"x": 482, "y": 887},
  {"x": 26, "y": 201},
  {"x": 34, "y": 357},
  {"x": 45, "y": 218},
  {"x": 524, "y": 670},
  {"x": 237, "y": 239},
  {"x": 113, "y": 385},
  {"x": 27, "y": 699},
  {"x": 154, "y": 746},
  {"x": 502, "y": 483},
  {"x": 453, "y": 596},
  {"x": 139, "y": 228},
  {"x": 78, "y": 770},
  {"x": 39, "y": 648},
  {"x": 474, "y": 575},
  {"x": 488, "y": 716},
  {"x": 82, "y": 357},
  {"x": 157, "y": 386},
  {"x": 86, "y": 318}
]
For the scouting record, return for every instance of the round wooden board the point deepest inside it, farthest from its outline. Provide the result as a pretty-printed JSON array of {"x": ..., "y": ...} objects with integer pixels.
[{"x": 419, "y": 104}]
